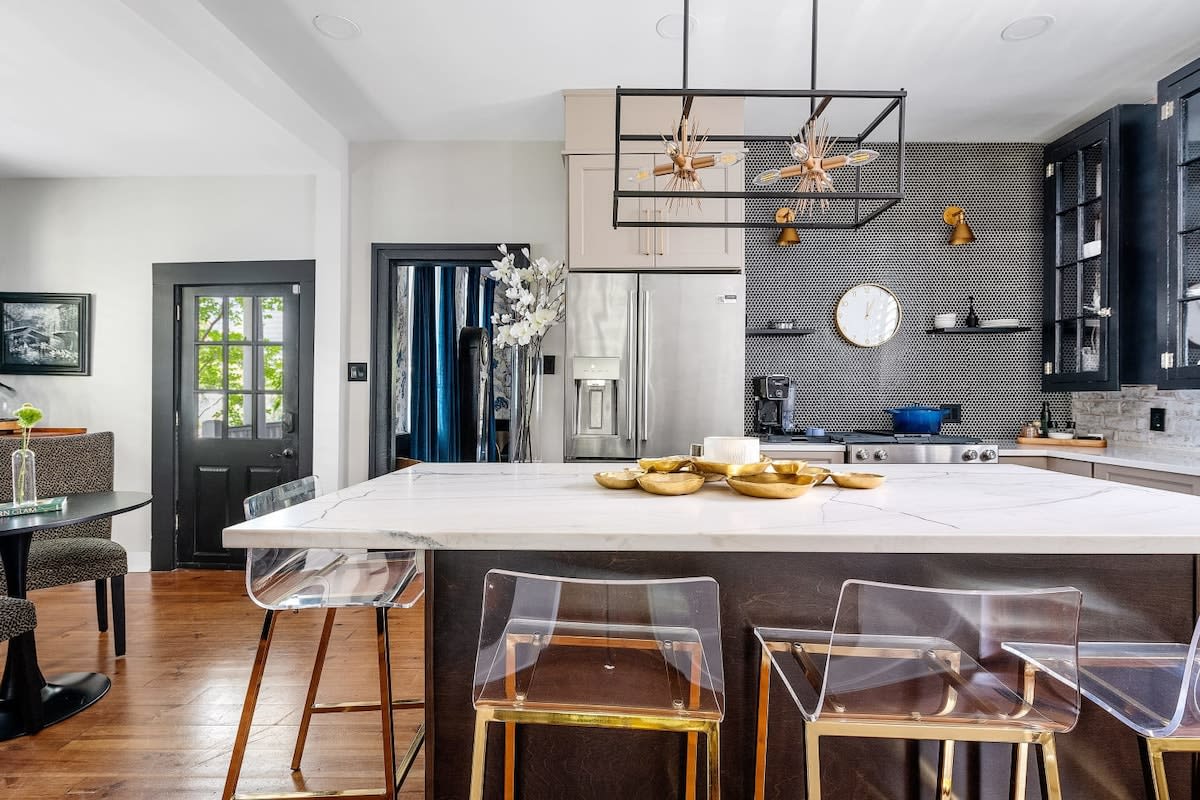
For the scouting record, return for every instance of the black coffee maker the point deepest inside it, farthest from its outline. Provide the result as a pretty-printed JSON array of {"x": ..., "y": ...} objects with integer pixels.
[{"x": 774, "y": 404}]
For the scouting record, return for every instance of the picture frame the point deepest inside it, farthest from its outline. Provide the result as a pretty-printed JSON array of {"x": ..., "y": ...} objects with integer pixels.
[{"x": 43, "y": 333}]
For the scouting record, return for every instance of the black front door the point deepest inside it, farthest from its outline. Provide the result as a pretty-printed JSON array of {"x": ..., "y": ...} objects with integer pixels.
[{"x": 238, "y": 423}]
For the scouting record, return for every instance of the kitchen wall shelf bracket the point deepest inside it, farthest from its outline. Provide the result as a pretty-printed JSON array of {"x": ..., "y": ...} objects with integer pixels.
[
  {"x": 970, "y": 331},
  {"x": 780, "y": 331}
]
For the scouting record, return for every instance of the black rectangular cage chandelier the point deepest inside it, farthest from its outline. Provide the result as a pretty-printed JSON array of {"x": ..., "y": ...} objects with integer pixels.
[{"x": 813, "y": 180}]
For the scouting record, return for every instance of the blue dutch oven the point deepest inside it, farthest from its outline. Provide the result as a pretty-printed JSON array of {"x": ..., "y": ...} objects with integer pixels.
[{"x": 917, "y": 419}]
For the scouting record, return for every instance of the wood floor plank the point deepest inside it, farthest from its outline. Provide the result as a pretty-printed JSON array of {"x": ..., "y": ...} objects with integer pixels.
[{"x": 167, "y": 726}]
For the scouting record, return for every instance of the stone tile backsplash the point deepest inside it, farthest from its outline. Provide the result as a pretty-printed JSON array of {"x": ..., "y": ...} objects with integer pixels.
[{"x": 1124, "y": 416}]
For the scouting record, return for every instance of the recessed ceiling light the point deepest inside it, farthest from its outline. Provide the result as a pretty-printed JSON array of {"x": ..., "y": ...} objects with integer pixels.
[
  {"x": 1026, "y": 28},
  {"x": 336, "y": 27},
  {"x": 671, "y": 26}
]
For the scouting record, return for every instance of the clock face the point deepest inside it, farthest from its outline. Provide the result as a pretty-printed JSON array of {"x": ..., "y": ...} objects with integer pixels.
[{"x": 868, "y": 315}]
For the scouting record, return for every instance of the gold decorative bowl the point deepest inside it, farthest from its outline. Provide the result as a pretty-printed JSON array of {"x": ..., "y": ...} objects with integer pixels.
[
  {"x": 717, "y": 469},
  {"x": 821, "y": 474},
  {"x": 619, "y": 479},
  {"x": 789, "y": 467},
  {"x": 670, "y": 484},
  {"x": 664, "y": 463},
  {"x": 772, "y": 485},
  {"x": 857, "y": 480}
]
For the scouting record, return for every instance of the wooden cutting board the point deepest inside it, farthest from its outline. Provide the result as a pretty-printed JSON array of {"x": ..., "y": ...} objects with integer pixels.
[{"x": 1063, "y": 442}]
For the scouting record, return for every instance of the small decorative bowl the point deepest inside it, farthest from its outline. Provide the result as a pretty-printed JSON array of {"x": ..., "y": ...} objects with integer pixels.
[
  {"x": 664, "y": 463},
  {"x": 772, "y": 485},
  {"x": 721, "y": 470},
  {"x": 820, "y": 474},
  {"x": 670, "y": 484},
  {"x": 619, "y": 479},
  {"x": 1063, "y": 435},
  {"x": 857, "y": 480},
  {"x": 789, "y": 467}
]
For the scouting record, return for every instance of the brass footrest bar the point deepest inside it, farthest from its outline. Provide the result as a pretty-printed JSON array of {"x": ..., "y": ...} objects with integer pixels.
[
  {"x": 335, "y": 708},
  {"x": 365, "y": 794}
]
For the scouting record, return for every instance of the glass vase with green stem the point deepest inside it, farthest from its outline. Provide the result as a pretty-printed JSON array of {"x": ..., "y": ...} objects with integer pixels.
[{"x": 24, "y": 463}]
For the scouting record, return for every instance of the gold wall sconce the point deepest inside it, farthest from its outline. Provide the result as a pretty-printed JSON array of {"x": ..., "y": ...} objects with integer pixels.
[
  {"x": 787, "y": 236},
  {"x": 962, "y": 233}
]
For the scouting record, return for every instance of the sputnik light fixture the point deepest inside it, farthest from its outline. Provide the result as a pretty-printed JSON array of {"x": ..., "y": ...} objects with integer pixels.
[{"x": 691, "y": 151}]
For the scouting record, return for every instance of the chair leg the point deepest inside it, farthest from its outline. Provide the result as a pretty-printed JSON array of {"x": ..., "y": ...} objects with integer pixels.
[
  {"x": 510, "y": 760},
  {"x": 689, "y": 769},
  {"x": 1154, "y": 771},
  {"x": 812, "y": 764},
  {"x": 1048, "y": 768},
  {"x": 243, "y": 733},
  {"x": 385, "y": 702},
  {"x": 313, "y": 684},
  {"x": 760, "y": 745},
  {"x": 478, "y": 755},
  {"x": 118, "y": 614},
  {"x": 946, "y": 770},
  {"x": 1020, "y": 771},
  {"x": 713, "y": 737},
  {"x": 101, "y": 605}
]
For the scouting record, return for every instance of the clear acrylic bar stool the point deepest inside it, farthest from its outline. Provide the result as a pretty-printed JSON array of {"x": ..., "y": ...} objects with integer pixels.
[
  {"x": 905, "y": 662},
  {"x": 637, "y": 654},
  {"x": 1152, "y": 687},
  {"x": 296, "y": 579}
]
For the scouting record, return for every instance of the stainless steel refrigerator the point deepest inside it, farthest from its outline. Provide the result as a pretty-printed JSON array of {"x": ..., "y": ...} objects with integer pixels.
[{"x": 654, "y": 362}]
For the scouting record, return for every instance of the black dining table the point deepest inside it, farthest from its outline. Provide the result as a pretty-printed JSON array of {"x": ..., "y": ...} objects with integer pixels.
[{"x": 29, "y": 702}]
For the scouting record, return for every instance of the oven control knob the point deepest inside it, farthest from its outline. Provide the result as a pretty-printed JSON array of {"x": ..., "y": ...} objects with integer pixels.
[
  {"x": 970, "y": 455},
  {"x": 860, "y": 455},
  {"x": 881, "y": 455},
  {"x": 988, "y": 455}
]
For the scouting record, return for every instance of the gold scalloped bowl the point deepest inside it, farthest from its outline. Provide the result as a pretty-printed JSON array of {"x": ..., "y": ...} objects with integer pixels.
[
  {"x": 772, "y": 485},
  {"x": 619, "y": 479},
  {"x": 671, "y": 484},
  {"x": 820, "y": 474},
  {"x": 789, "y": 467},
  {"x": 715, "y": 470},
  {"x": 857, "y": 480},
  {"x": 664, "y": 464}
]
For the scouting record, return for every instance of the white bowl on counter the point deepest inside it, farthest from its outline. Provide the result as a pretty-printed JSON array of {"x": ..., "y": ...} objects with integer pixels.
[{"x": 1061, "y": 435}]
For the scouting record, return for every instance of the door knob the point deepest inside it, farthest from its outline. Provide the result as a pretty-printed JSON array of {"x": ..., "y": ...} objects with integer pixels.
[{"x": 287, "y": 452}]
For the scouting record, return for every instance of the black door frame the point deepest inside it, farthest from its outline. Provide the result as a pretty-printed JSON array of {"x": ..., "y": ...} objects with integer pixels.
[
  {"x": 382, "y": 444},
  {"x": 168, "y": 282}
]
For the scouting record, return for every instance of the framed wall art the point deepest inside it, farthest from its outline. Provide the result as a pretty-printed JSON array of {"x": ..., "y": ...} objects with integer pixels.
[{"x": 45, "y": 334}]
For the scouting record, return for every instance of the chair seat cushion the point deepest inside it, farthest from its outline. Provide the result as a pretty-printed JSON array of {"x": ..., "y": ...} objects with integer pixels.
[
  {"x": 59, "y": 562},
  {"x": 16, "y": 617}
]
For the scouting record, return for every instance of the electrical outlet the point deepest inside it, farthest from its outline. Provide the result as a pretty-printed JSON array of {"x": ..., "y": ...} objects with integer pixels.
[
  {"x": 953, "y": 412},
  {"x": 1158, "y": 419}
]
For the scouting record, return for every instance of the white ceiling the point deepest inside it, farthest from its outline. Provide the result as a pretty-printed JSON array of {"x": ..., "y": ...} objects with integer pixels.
[
  {"x": 115, "y": 87},
  {"x": 469, "y": 69}
]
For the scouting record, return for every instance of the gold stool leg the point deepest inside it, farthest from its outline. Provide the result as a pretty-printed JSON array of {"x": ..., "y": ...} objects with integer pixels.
[
  {"x": 311, "y": 699},
  {"x": 760, "y": 744},
  {"x": 1155, "y": 771},
  {"x": 812, "y": 763},
  {"x": 243, "y": 733},
  {"x": 1048, "y": 756},
  {"x": 1020, "y": 771},
  {"x": 479, "y": 754},
  {"x": 510, "y": 760},
  {"x": 385, "y": 702},
  {"x": 713, "y": 737},
  {"x": 946, "y": 770}
]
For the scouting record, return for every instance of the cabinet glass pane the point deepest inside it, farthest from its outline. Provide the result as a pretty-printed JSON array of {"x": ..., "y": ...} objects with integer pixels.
[
  {"x": 1191, "y": 126},
  {"x": 1093, "y": 345},
  {"x": 1092, "y": 289},
  {"x": 1093, "y": 172},
  {"x": 1068, "y": 181},
  {"x": 1189, "y": 196},
  {"x": 1093, "y": 227},
  {"x": 1068, "y": 236},
  {"x": 1068, "y": 292},
  {"x": 1067, "y": 360},
  {"x": 1189, "y": 262},
  {"x": 1190, "y": 343}
]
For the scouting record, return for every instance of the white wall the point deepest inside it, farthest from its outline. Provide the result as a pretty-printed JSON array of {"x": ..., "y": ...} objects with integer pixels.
[
  {"x": 442, "y": 192},
  {"x": 101, "y": 236}
]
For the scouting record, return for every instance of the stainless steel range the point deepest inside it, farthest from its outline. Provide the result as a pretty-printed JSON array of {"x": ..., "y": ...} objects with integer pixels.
[{"x": 863, "y": 447}]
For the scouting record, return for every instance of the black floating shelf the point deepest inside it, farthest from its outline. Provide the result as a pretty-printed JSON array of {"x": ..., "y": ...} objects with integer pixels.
[
  {"x": 968, "y": 331},
  {"x": 780, "y": 331}
]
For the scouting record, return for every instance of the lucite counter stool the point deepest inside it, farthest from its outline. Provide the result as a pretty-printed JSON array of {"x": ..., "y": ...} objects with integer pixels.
[
  {"x": 1152, "y": 687},
  {"x": 299, "y": 579},
  {"x": 905, "y": 662},
  {"x": 633, "y": 655}
]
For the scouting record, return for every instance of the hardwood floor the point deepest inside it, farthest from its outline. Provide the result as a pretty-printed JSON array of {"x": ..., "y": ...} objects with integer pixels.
[{"x": 166, "y": 727}]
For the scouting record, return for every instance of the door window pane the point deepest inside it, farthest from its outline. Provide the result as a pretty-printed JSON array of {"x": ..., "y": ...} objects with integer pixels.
[
  {"x": 237, "y": 366},
  {"x": 210, "y": 367},
  {"x": 1093, "y": 172},
  {"x": 270, "y": 368},
  {"x": 1068, "y": 182},
  {"x": 240, "y": 312},
  {"x": 270, "y": 310},
  {"x": 238, "y": 426},
  {"x": 210, "y": 319},
  {"x": 269, "y": 416},
  {"x": 210, "y": 415},
  {"x": 1068, "y": 236}
]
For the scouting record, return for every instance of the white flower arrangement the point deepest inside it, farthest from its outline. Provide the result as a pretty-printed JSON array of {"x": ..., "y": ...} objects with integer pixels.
[{"x": 537, "y": 298}]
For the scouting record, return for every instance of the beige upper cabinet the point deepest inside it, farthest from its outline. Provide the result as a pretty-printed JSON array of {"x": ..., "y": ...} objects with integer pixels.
[
  {"x": 592, "y": 241},
  {"x": 702, "y": 248}
]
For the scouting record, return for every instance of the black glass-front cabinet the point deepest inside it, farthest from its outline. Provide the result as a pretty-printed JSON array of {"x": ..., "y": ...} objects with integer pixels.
[
  {"x": 1098, "y": 330},
  {"x": 1179, "y": 256}
]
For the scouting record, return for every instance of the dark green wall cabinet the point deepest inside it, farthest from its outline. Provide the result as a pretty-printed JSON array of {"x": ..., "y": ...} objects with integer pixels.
[
  {"x": 1099, "y": 296},
  {"x": 1179, "y": 242}
]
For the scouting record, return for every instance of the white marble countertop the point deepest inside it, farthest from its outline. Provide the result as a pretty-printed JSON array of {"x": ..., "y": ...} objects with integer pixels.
[
  {"x": 1164, "y": 459},
  {"x": 921, "y": 509}
]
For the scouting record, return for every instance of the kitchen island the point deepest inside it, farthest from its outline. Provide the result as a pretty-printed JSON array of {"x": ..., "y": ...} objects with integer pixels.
[{"x": 1131, "y": 550}]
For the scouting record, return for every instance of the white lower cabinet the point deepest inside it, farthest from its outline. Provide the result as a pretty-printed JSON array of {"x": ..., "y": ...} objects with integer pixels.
[
  {"x": 1150, "y": 478},
  {"x": 811, "y": 456}
]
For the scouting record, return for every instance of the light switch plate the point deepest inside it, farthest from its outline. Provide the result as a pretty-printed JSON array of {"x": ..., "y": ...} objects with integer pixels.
[
  {"x": 1158, "y": 419},
  {"x": 356, "y": 371}
]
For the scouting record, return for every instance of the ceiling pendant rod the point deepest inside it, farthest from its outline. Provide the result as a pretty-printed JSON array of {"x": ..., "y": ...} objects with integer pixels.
[
  {"x": 812, "y": 73},
  {"x": 687, "y": 99}
]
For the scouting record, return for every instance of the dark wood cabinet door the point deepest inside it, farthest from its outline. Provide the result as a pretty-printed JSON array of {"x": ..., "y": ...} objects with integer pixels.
[{"x": 238, "y": 412}]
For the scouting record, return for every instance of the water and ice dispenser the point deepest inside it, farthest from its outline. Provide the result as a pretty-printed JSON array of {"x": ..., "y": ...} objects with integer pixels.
[{"x": 595, "y": 395}]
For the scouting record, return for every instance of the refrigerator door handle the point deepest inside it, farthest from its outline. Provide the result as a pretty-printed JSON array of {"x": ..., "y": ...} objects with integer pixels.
[
  {"x": 644, "y": 364},
  {"x": 631, "y": 349}
]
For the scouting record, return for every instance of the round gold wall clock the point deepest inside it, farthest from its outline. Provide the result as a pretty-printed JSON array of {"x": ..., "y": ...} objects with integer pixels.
[{"x": 868, "y": 315}]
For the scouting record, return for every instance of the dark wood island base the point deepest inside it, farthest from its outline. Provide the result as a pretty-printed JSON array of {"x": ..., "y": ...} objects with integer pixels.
[{"x": 1126, "y": 597}]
